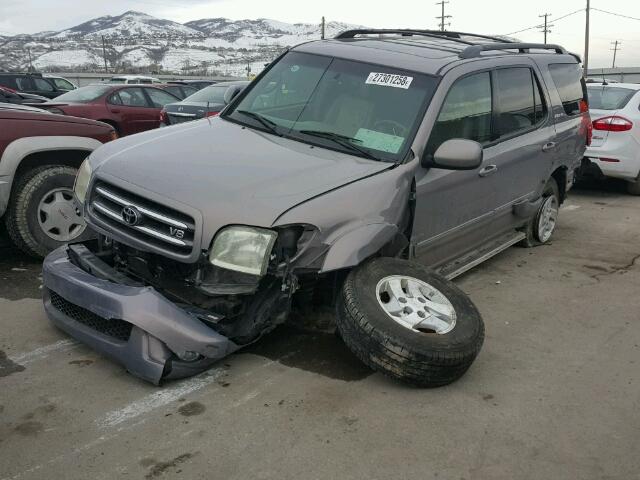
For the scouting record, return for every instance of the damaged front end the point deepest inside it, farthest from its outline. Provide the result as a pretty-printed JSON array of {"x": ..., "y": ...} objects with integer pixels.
[{"x": 165, "y": 319}]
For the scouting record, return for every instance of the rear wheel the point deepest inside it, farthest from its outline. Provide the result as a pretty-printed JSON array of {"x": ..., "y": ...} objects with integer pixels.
[
  {"x": 408, "y": 322},
  {"x": 633, "y": 188},
  {"x": 541, "y": 227},
  {"x": 42, "y": 215}
]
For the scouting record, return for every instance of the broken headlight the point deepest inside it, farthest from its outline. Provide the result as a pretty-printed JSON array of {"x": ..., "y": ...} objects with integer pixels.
[
  {"x": 243, "y": 249},
  {"x": 82, "y": 181}
]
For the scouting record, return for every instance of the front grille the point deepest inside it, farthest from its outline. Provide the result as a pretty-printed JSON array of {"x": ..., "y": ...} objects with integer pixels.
[
  {"x": 118, "y": 329},
  {"x": 156, "y": 225}
]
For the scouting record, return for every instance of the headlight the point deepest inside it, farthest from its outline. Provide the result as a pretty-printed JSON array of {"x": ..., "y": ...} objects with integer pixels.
[
  {"x": 243, "y": 249},
  {"x": 82, "y": 181}
]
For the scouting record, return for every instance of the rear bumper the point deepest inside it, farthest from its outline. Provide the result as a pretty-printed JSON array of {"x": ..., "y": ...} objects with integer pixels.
[
  {"x": 160, "y": 330},
  {"x": 622, "y": 162}
]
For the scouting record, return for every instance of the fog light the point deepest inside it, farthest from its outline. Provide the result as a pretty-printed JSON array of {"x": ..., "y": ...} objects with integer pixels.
[{"x": 188, "y": 356}]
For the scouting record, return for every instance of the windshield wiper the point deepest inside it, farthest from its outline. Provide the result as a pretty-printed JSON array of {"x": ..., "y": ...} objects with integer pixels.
[
  {"x": 271, "y": 126},
  {"x": 342, "y": 140}
]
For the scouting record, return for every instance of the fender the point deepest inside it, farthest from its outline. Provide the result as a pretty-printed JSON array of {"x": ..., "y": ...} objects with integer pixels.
[
  {"x": 19, "y": 149},
  {"x": 355, "y": 246}
]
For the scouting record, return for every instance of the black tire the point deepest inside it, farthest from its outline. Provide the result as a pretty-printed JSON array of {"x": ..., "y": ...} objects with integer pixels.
[
  {"x": 633, "y": 188},
  {"x": 22, "y": 215},
  {"x": 420, "y": 359},
  {"x": 532, "y": 240}
]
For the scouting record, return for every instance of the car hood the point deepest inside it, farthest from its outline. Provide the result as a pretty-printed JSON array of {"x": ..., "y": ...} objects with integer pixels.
[{"x": 229, "y": 173}]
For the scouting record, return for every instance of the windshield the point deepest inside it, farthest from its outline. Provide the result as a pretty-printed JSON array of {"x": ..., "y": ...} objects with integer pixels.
[
  {"x": 214, "y": 94},
  {"x": 84, "y": 94},
  {"x": 359, "y": 108},
  {"x": 609, "y": 98}
]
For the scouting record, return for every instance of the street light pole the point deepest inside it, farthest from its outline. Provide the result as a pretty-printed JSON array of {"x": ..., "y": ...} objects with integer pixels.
[{"x": 586, "y": 40}]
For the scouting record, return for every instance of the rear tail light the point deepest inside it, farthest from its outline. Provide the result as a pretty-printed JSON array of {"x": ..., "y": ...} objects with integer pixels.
[
  {"x": 212, "y": 114},
  {"x": 164, "y": 118},
  {"x": 610, "y": 160},
  {"x": 613, "y": 124},
  {"x": 589, "y": 132}
]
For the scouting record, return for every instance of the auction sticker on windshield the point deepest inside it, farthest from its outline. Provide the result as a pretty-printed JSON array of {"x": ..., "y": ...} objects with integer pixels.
[{"x": 389, "y": 80}]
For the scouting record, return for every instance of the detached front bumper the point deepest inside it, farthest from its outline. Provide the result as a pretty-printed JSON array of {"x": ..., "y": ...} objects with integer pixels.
[{"x": 136, "y": 326}]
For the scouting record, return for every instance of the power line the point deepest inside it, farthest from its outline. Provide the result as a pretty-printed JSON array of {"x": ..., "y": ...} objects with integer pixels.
[
  {"x": 540, "y": 25},
  {"x": 615, "y": 14}
]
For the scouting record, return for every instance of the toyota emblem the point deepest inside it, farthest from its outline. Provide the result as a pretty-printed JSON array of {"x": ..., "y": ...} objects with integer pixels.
[{"x": 131, "y": 215}]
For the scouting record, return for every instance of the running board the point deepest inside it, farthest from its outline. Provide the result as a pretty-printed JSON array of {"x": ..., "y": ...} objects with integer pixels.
[{"x": 458, "y": 267}]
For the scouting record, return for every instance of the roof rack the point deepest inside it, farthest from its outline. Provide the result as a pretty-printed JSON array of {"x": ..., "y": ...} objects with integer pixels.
[
  {"x": 409, "y": 32},
  {"x": 475, "y": 50}
]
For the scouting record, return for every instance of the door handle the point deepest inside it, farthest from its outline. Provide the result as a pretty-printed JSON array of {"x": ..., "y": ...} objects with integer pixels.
[
  {"x": 488, "y": 170},
  {"x": 115, "y": 110},
  {"x": 549, "y": 146}
]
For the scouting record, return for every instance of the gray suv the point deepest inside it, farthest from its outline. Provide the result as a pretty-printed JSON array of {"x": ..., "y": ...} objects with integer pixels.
[{"x": 363, "y": 172}]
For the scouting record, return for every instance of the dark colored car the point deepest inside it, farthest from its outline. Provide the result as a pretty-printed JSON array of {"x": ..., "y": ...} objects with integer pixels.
[
  {"x": 197, "y": 84},
  {"x": 207, "y": 102},
  {"x": 9, "y": 95},
  {"x": 180, "y": 91},
  {"x": 128, "y": 108},
  {"x": 40, "y": 154},
  {"x": 32, "y": 83}
]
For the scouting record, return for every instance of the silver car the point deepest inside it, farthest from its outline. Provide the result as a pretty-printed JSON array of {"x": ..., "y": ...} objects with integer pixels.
[{"x": 363, "y": 172}]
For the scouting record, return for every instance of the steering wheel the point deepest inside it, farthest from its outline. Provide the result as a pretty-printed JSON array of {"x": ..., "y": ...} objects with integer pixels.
[{"x": 390, "y": 127}]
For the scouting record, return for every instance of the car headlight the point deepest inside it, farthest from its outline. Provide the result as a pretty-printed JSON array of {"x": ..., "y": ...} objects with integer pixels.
[
  {"x": 82, "y": 181},
  {"x": 243, "y": 249}
]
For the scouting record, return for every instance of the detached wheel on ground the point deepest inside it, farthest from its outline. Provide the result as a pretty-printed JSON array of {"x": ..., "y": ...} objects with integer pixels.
[
  {"x": 408, "y": 322},
  {"x": 541, "y": 227},
  {"x": 41, "y": 214}
]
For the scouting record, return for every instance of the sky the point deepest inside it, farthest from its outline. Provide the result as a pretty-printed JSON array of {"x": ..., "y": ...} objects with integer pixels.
[{"x": 486, "y": 16}]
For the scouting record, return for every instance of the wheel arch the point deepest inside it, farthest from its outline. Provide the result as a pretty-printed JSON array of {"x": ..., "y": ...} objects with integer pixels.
[{"x": 26, "y": 153}]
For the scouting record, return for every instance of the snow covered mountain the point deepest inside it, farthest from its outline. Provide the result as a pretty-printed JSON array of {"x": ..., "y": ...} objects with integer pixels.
[{"x": 137, "y": 42}]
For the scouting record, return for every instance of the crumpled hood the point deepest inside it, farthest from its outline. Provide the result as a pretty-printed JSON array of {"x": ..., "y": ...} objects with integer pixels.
[{"x": 231, "y": 174}]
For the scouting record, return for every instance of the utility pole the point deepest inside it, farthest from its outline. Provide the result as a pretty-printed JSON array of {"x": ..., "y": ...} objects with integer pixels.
[
  {"x": 30, "y": 63},
  {"x": 616, "y": 47},
  {"x": 104, "y": 55},
  {"x": 442, "y": 16},
  {"x": 586, "y": 40},
  {"x": 322, "y": 27},
  {"x": 546, "y": 26}
]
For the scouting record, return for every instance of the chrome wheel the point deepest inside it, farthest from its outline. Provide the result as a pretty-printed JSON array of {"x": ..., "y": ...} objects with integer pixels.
[
  {"x": 416, "y": 305},
  {"x": 58, "y": 217},
  {"x": 547, "y": 218}
]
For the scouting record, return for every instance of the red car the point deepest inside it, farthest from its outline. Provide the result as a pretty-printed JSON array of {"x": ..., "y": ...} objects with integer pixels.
[
  {"x": 40, "y": 153},
  {"x": 128, "y": 108}
]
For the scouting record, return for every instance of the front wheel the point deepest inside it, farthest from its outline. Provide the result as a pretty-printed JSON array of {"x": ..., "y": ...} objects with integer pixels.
[
  {"x": 42, "y": 215},
  {"x": 408, "y": 322}
]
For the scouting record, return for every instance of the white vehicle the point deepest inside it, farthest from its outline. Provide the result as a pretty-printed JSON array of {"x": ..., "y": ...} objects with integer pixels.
[
  {"x": 134, "y": 79},
  {"x": 615, "y": 146}
]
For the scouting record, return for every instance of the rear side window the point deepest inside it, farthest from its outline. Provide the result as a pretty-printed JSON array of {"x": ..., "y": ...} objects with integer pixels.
[
  {"x": 570, "y": 86},
  {"x": 160, "y": 98},
  {"x": 133, "y": 97},
  {"x": 609, "y": 98},
  {"x": 519, "y": 102},
  {"x": 466, "y": 112},
  {"x": 42, "y": 85},
  {"x": 23, "y": 83}
]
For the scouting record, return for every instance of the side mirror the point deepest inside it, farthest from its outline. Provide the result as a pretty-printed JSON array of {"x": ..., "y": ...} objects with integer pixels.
[
  {"x": 231, "y": 93},
  {"x": 457, "y": 154}
]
